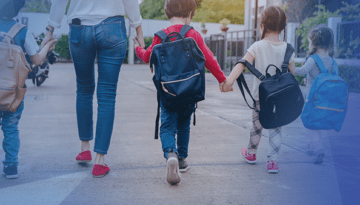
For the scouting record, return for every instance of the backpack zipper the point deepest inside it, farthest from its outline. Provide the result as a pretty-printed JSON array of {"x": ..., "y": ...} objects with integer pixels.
[
  {"x": 278, "y": 92},
  {"x": 329, "y": 108},
  {"x": 176, "y": 81}
]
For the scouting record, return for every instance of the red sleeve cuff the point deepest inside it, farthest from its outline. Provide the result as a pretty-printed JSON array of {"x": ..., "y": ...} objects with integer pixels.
[{"x": 221, "y": 79}]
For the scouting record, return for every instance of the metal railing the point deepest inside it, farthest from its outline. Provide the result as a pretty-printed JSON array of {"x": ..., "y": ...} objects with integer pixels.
[{"x": 229, "y": 47}]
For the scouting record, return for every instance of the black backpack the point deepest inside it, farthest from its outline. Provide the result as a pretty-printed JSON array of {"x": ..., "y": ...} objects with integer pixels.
[
  {"x": 179, "y": 71},
  {"x": 281, "y": 100}
]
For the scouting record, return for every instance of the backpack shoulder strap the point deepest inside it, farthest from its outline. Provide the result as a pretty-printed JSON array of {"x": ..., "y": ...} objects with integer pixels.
[
  {"x": 157, "y": 118},
  {"x": 319, "y": 63},
  {"x": 15, "y": 30},
  {"x": 242, "y": 83},
  {"x": 289, "y": 51},
  {"x": 161, "y": 34},
  {"x": 252, "y": 69},
  {"x": 335, "y": 67},
  {"x": 184, "y": 30}
]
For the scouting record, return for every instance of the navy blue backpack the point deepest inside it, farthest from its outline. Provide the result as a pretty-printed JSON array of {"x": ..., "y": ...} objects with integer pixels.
[
  {"x": 179, "y": 71},
  {"x": 326, "y": 106}
]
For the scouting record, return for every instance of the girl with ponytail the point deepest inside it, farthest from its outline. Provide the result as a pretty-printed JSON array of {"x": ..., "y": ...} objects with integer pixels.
[
  {"x": 269, "y": 50},
  {"x": 321, "y": 42}
]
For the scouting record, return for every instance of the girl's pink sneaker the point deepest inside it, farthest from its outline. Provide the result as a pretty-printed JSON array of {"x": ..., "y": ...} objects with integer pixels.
[
  {"x": 84, "y": 156},
  {"x": 250, "y": 158},
  {"x": 100, "y": 170},
  {"x": 272, "y": 166}
]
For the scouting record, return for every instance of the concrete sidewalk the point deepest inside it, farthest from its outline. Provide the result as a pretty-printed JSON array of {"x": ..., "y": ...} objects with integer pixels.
[{"x": 48, "y": 173}]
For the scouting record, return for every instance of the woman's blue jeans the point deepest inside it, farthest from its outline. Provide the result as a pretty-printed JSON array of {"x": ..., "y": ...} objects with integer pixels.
[
  {"x": 107, "y": 41},
  {"x": 176, "y": 122}
]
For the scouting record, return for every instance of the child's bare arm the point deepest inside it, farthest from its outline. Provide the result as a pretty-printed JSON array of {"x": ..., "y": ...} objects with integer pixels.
[
  {"x": 235, "y": 73},
  {"x": 38, "y": 58},
  {"x": 292, "y": 67}
]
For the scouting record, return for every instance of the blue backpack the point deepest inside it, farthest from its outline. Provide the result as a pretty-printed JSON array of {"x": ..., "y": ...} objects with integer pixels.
[
  {"x": 326, "y": 106},
  {"x": 179, "y": 71}
]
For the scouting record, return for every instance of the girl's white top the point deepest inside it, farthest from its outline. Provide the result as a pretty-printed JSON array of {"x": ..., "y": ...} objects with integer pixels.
[
  {"x": 265, "y": 53},
  {"x": 92, "y": 12}
]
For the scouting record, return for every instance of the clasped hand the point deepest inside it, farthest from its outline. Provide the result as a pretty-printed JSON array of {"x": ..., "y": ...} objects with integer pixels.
[{"x": 226, "y": 86}]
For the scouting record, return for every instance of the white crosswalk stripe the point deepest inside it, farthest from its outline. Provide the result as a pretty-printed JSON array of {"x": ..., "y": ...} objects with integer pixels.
[{"x": 48, "y": 191}]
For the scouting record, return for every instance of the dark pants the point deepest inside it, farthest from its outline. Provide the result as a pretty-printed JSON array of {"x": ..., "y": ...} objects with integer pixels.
[{"x": 176, "y": 122}]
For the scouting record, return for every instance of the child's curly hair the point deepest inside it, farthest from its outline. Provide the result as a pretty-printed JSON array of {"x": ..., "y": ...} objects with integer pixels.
[{"x": 322, "y": 36}]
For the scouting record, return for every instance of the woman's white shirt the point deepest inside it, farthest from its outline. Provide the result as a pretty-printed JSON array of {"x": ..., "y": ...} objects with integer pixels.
[{"x": 92, "y": 12}]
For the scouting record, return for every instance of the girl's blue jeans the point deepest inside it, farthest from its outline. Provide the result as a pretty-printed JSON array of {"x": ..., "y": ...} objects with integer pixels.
[
  {"x": 11, "y": 142},
  {"x": 106, "y": 41},
  {"x": 176, "y": 122}
]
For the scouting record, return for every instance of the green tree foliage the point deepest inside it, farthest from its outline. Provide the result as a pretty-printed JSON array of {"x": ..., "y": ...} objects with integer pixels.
[
  {"x": 208, "y": 11},
  {"x": 153, "y": 9},
  {"x": 40, "y": 6},
  {"x": 348, "y": 12},
  {"x": 320, "y": 17},
  {"x": 62, "y": 47},
  {"x": 352, "y": 12},
  {"x": 215, "y": 10},
  {"x": 299, "y": 10}
]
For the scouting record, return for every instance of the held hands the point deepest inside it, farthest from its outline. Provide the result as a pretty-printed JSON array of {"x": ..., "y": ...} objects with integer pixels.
[
  {"x": 141, "y": 41},
  {"x": 136, "y": 42},
  {"x": 226, "y": 86},
  {"x": 50, "y": 45},
  {"x": 48, "y": 37}
]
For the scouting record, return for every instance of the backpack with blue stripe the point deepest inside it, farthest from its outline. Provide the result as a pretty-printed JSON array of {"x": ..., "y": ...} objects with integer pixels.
[
  {"x": 326, "y": 106},
  {"x": 179, "y": 71}
]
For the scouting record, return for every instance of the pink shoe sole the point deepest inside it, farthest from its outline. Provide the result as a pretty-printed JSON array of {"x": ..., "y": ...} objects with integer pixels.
[
  {"x": 84, "y": 156},
  {"x": 83, "y": 160},
  {"x": 272, "y": 167},
  {"x": 243, "y": 153},
  {"x": 100, "y": 170}
]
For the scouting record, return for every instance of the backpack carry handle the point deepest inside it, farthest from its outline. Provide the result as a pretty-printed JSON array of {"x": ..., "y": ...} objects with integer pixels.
[
  {"x": 171, "y": 35},
  {"x": 267, "y": 69}
]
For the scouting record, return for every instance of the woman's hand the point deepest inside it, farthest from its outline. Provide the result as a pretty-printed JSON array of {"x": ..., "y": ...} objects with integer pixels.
[
  {"x": 140, "y": 37},
  {"x": 48, "y": 37},
  {"x": 136, "y": 42}
]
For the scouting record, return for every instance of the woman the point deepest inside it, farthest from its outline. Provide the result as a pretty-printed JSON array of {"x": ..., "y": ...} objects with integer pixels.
[{"x": 97, "y": 29}]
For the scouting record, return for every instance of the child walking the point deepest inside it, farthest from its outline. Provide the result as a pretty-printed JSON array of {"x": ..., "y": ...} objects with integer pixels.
[
  {"x": 177, "y": 121},
  {"x": 9, "y": 120},
  {"x": 269, "y": 50},
  {"x": 321, "y": 42}
]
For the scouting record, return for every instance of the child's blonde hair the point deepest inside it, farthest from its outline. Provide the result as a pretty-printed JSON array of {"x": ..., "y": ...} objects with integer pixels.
[{"x": 273, "y": 19}]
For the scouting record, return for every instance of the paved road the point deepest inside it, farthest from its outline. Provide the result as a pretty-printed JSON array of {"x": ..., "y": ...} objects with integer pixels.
[{"x": 218, "y": 175}]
